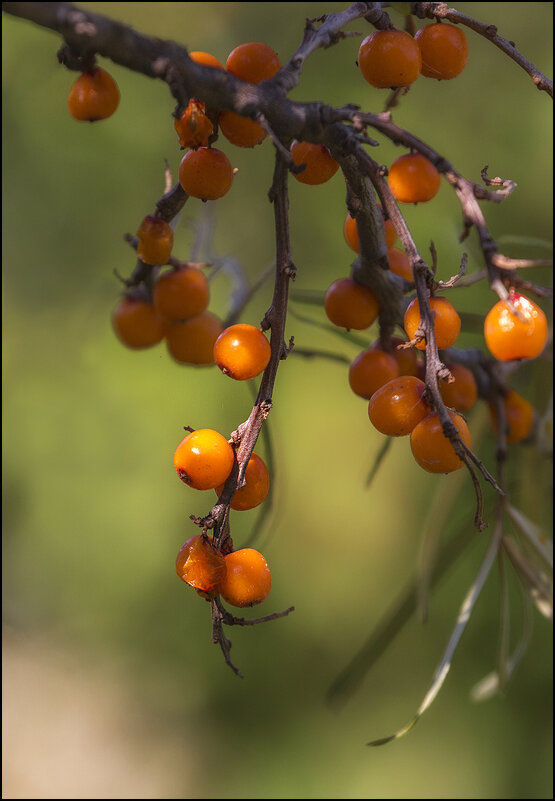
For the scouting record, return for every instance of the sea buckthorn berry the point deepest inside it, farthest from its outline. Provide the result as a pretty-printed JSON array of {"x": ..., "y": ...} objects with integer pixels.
[
  {"x": 155, "y": 240},
  {"x": 370, "y": 370},
  {"x": 406, "y": 358},
  {"x": 204, "y": 459},
  {"x": 94, "y": 96},
  {"x": 205, "y": 59},
  {"x": 432, "y": 449},
  {"x": 444, "y": 50},
  {"x": 350, "y": 232},
  {"x": 192, "y": 341},
  {"x": 199, "y": 564},
  {"x": 193, "y": 128},
  {"x": 206, "y": 173},
  {"x": 509, "y": 336},
  {"x": 240, "y": 131},
  {"x": 399, "y": 264},
  {"x": 253, "y": 62},
  {"x": 462, "y": 393},
  {"x": 520, "y": 417},
  {"x": 413, "y": 179},
  {"x": 181, "y": 293},
  {"x": 137, "y": 323},
  {"x": 350, "y": 305},
  {"x": 320, "y": 166},
  {"x": 242, "y": 351},
  {"x": 398, "y": 406},
  {"x": 248, "y": 580},
  {"x": 447, "y": 323},
  {"x": 256, "y": 488},
  {"x": 389, "y": 59}
]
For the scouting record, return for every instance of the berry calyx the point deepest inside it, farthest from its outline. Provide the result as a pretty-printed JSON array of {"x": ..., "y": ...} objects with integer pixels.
[
  {"x": 253, "y": 62},
  {"x": 320, "y": 165},
  {"x": 94, "y": 96},
  {"x": 200, "y": 565},
  {"x": 204, "y": 459},
  {"x": 370, "y": 370},
  {"x": 194, "y": 128},
  {"x": 413, "y": 179},
  {"x": 206, "y": 173},
  {"x": 462, "y": 393},
  {"x": 389, "y": 59},
  {"x": 155, "y": 240},
  {"x": 447, "y": 323},
  {"x": 515, "y": 336},
  {"x": 444, "y": 50},
  {"x": 519, "y": 416},
  {"x": 350, "y": 305},
  {"x": 137, "y": 323},
  {"x": 432, "y": 449},
  {"x": 240, "y": 131},
  {"x": 242, "y": 351},
  {"x": 248, "y": 580},
  {"x": 181, "y": 293},
  {"x": 398, "y": 406},
  {"x": 256, "y": 488},
  {"x": 192, "y": 341}
]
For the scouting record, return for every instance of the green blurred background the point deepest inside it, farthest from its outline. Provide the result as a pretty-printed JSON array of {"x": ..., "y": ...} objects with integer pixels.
[{"x": 111, "y": 685}]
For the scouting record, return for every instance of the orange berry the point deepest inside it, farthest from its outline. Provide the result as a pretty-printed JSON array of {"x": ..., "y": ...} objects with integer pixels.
[
  {"x": 240, "y": 131},
  {"x": 350, "y": 305},
  {"x": 444, "y": 50},
  {"x": 398, "y": 406},
  {"x": 93, "y": 96},
  {"x": 199, "y": 564},
  {"x": 206, "y": 59},
  {"x": 520, "y": 416},
  {"x": 399, "y": 264},
  {"x": 248, "y": 580},
  {"x": 242, "y": 351},
  {"x": 206, "y": 173},
  {"x": 137, "y": 323},
  {"x": 256, "y": 488},
  {"x": 253, "y": 62},
  {"x": 192, "y": 341},
  {"x": 155, "y": 240},
  {"x": 462, "y": 393},
  {"x": 350, "y": 231},
  {"x": 413, "y": 179},
  {"x": 508, "y": 337},
  {"x": 406, "y": 358},
  {"x": 320, "y": 166},
  {"x": 194, "y": 128},
  {"x": 181, "y": 293},
  {"x": 447, "y": 323},
  {"x": 204, "y": 459},
  {"x": 432, "y": 449},
  {"x": 370, "y": 370},
  {"x": 388, "y": 59}
]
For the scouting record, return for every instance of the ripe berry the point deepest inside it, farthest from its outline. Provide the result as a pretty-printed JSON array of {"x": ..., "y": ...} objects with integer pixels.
[
  {"x": 350, "y": 305},
  {"x": 320, "y": 166},
  {"x": 155, "y": 240},
  {"x": 253, "y": 62},
  {"x": 240, "y": 131},
  {"x": 413, "y": 179},
  {"x": 432, "y": 449},
  {"x": 206, "y": 173},
  {"x": 447, "y": 323},
  {"x": 370, "y": 370},
  {"x": 194, "y": 128},
  {"x": 462, "y": 393},
  {"x": 199, "y": 564},
  {"x": 242, "y": 351},
  {"x": 181, "y": 293},
  {"x": 389, "y": 59},
  {"x": 508, "y": 337},
  {"x": 399, "y": 264},
  {"x": 444, "y": 50},
  {"x": 350, "y": 232},
  {"x": 192, "y": 341},
  {"x": 93, "y": 96},
  {"x": 519, "y": 414},
  {"x": 248, "y": 580},
  {"x": 204, "y": 459},
  {"x": 256, "y": 488},
  {"x": 397, "y": 407},
  {"x": 137, "y": 323},
  {"x": 406, "y": 358},
  {"x": 206, "y": 59}
]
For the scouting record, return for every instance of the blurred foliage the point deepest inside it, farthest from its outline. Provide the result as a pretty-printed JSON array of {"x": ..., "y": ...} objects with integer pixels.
[{"x": 93, "y": 513}]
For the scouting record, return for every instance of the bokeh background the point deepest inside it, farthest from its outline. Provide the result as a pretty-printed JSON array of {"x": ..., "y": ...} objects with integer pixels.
[{"x": 112, "y": 688}]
